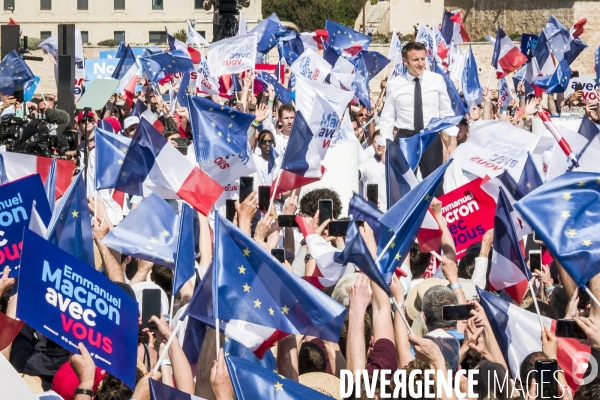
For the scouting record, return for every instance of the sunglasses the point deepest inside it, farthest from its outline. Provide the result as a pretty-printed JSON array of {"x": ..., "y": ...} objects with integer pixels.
[
  {"x": 266, "y": 141},
  {"x": 362, "y": 115}
]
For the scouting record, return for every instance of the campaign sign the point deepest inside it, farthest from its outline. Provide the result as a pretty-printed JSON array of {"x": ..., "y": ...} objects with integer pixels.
[
  {"x": 100, "y": 68},
  {"x": 137, "y": 51},
  {"x": 71, "y": 303},
  {"x": 495, "y": 146},
  {"x": 16, "y": 199},
  {"x": 469, "y": 213},
  {"x": 588, "y": 84}
]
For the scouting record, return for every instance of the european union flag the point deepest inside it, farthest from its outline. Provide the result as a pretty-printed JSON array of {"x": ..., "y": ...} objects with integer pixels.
[
  {"x": 519, "y": 77},
  {"x": 110, "y": 153},
  {"x": 361, "y": 82},
  {"x": 565, "y": 213},
  {"x": 125, "y": 62},
  {"x": 252, "y": 286},
  {"x": 268, "y": 30},
  {"x": 413, "y": 147},
  {"x": 458, "y": 105},
  {"x": 251, "y": 382},
  {"x": 182, "y": 93},
  {"x": 558, "y": 37},
  {"x": 530, "y": 177},
  {"x": 121, "y": 47},
  {"x": 272, "y": 159},
  {"x": 357, "y": 252},
  {"x": 291, "y": 49},
  {"x": 403, "y": 220},
  {"x": 70, "y": 227},
  {"x": 14, "y": 72},
  {"x": 150, "y": 232},
  {"x": 49, "y": 185},
  {"x": 470, "y": 82},
  {"x": 185, "y": 251},
  {"x": 374, "y": 62},
  {"x": 221, "y": 139},
  {"x": 541, "y": 51},
  {"x": 575, "y": 48},
  {"x": 399, "y": 176},
  {"x": 280, "y": 91},
  {"x": 362, "y": 210},
  {"x": 558, "y": 81},
  {"x": 157, "y": 66},
  {"x": 344, "y": 38}
]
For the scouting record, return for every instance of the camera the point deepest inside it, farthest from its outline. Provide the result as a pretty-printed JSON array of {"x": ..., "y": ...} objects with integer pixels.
[{"x": 37, "y": 134}]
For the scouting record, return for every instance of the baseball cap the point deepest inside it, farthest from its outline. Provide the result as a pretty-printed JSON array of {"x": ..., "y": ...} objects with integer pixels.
[
  {"x": 65, "y": 381},
  {"x": 129, "y": 121}
]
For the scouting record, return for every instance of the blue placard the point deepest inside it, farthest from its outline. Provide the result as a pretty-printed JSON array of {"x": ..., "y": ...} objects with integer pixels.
[
  {"x": 99, "y": 68},
  {"x": 137, "y": 51},
  {"x": 16, "y": 199},
  {"x": 71, "y": 303}
]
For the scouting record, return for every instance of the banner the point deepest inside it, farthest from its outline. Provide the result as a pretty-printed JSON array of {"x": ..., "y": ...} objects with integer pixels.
[
  {"x": 312, "y": 66},
  {"x": 100, "y": 68},
  {"x": 469, "y": 213},
  {"x": 16, "y": 199},
  {"x": 589, "y": 87},
  {"x": 494, "y": 146},
  {"x": 79, "y": 83},
  {"x": 233, "y": 55},
  {"x": 28, "y": 94},
  {"x": 71, "y": 303}
]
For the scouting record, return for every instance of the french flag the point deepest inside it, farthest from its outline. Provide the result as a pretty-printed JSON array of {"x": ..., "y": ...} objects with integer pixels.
[
  {"x": 152, "y": 165},
  {"x": 161, "y": 391},
  {"x": 301, "y": 162},
  {"x": 453, "y": 29},
  {"x": 314, "y": 40},
  {"x": 142, "y": 112},
  {"x": 507, "y": 57},
  {"x": 20, "y": 165},
  {"x": 509, "y": 271},
  {"x": 518, "y": 334},
  {"x": 400, "y": 179},
  {"x": 328, "y": 272},
  {"x": 175, "y": 44}
]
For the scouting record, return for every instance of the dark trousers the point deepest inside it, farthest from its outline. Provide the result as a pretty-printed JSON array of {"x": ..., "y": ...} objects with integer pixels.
[{"x": 431, "y": 159}]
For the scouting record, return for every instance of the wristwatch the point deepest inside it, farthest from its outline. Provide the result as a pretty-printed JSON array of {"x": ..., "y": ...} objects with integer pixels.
[{"x": 84, "y": 391}]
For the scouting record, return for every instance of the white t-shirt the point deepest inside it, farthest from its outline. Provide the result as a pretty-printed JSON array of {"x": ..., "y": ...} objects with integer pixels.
[
  {"x": 373, "y": 171},
  {"x": 261, "y": 176},
  {"x": 281, "y": 142}
]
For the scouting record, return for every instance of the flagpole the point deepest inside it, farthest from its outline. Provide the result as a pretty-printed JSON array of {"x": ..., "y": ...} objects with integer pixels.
[
  {"x": 410, "y": 332},
  {"x": 274, "y": 191},
  {"x": 489, "y": 77},
  {"x": 589, "y": 292},
  {"x": 537, "y": 308},
  {"x": 166, "y": 349},
  {"x": 387, "y": 246}
]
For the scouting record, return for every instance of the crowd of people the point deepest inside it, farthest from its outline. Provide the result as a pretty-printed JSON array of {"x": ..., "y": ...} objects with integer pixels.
[{"x": 374, "y": 336}]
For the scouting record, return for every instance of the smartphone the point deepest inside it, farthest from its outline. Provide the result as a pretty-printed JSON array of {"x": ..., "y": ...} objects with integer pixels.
[
  {"x": 569, "y": 329},
  {"x": 373, "y": 193},
  {"x": 545, "y": 377},
  {"x": 19, "y": 113},
  {"x": 150, "y": 306},
  {"x": 264, "y": 197},
  {"x": 338, "y": 228},
  {"x": 246, "y": 187},
  {"x": 535, "y": 260},
  {"x": 578, "y": 86},
  {"x": 459, "y": 312},
  {"x": 325, "y": 210},
  {"x": 230, "y": 209},
  {"x": 584, "y": 300},
  {"x": 166, "y": 97},
  {"x": 279, "y": 254},
  {"x": 287, "y": 221},
  {"x": 182, "y": 145}
]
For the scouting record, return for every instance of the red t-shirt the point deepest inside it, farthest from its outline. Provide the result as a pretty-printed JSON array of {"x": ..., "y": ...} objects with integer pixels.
[{"x": 383, "y": 356}]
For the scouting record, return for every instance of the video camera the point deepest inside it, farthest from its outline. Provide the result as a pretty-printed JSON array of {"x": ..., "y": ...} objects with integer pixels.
[{"x": 37, "y": 134}]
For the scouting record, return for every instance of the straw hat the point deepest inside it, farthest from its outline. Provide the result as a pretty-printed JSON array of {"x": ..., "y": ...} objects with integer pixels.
[
  {"x": 415, "y": 295},
  {"x": 321, "y": 382},
  {"x": 34, "y": 383}
]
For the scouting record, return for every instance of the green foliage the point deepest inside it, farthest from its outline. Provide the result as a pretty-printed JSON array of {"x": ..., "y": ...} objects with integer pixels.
[
  {"x": 181, "y": 35},
  {"x": 309, "y": 15},
  {"x": 33, "y": 43},
  {"x": 109, "y": 43}
]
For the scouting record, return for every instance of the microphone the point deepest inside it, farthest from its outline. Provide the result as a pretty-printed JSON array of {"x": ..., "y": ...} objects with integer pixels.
[{"x": 56, "y": 116}]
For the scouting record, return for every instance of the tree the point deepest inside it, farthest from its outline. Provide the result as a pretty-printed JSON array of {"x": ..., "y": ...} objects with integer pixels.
[
  {"x": 180, "y": 35},
  {"x": 309, "y": 15}
]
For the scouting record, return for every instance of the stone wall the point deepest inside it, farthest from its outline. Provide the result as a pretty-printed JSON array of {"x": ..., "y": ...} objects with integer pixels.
[{"x": 481, "y": 17}]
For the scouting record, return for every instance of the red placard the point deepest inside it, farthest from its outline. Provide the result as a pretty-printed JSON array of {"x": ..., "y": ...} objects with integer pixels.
[
  {"x": 469, "y": 213},
  {"x": 271, "y": 69}
]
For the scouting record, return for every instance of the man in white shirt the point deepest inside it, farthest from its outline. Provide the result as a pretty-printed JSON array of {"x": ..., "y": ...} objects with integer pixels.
[
  {"x": 373, "y": 171},
  {"x": 286, "y": 114},
  {"x": 412, "y": 101}
]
